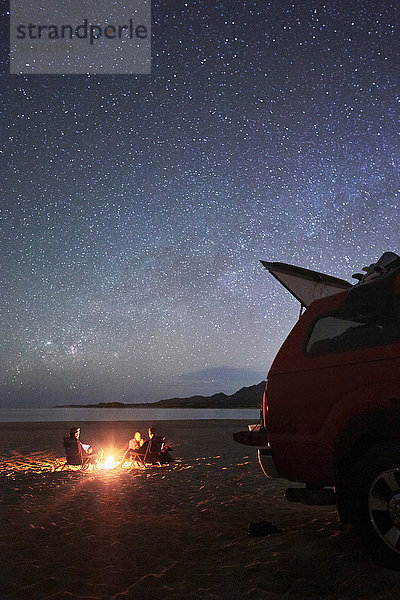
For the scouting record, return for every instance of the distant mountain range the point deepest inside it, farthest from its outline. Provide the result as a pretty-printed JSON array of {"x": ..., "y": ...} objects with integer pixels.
[{"x": 246, "y": 397}]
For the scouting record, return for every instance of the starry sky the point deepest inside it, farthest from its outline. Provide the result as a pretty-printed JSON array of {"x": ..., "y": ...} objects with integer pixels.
[{"x": 135, "y": 208}]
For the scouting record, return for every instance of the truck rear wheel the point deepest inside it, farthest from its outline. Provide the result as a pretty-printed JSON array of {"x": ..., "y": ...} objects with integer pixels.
[{"x": 376, "y": 506}]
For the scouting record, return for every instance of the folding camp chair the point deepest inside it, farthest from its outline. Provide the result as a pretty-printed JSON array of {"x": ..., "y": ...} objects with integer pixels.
[
  {"x": 152, "y": 454},
  {"x": 73, "y": 456}
]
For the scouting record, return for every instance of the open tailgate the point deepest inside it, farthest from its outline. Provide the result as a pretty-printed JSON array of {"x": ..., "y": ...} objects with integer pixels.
[{"x": 305, "y": 285}]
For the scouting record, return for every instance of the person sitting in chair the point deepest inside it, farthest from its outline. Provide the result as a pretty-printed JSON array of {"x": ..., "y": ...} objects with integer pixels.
[
  {"x": 152, "y": 433},
  {"x": 165, "y": 456},
  {"x": 143, "y": 446},
  {"x": 136, "y": 442},
  {"x": 89, "y": 456},
  {"x": 135, "y": 446},
  {"x": 138, "y": 448}
]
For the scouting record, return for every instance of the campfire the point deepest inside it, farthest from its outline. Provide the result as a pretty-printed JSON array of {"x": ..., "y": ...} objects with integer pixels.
[{"x": 109, "y": 463}]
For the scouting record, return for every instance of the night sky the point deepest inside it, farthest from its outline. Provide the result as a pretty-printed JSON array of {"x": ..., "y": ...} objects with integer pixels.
[{"x": 135, "y": 209}]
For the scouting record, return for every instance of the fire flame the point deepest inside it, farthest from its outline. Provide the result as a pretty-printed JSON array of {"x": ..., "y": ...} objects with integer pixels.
[{"x": 110, "y": 463}]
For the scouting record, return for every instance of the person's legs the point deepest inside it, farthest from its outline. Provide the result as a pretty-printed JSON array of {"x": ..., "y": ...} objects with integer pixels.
[
  {"x": 127, "y": 456},
  {"x": 95, "y": 457}
]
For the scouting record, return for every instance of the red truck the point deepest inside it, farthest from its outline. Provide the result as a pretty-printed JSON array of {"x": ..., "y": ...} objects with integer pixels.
[{"x": 330, "y": 416}]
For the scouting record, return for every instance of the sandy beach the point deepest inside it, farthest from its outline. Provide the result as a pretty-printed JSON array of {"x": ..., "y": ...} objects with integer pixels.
[{"x": 174, "y": 532}]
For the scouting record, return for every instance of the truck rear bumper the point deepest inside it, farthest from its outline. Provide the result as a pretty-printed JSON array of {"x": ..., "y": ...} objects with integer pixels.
[
  {"x": 267, "y": 463},
  {"x": 255, "y": 436}
]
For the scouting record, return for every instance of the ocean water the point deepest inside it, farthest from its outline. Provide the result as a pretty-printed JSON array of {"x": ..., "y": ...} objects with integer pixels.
[{"x": 41, "y": 415}]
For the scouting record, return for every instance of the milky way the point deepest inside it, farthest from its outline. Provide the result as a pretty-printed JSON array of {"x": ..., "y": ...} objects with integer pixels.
[{"x": 135, "y": 209}]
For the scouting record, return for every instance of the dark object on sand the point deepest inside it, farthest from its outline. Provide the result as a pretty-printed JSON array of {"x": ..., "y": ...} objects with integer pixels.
[{"x": 262, "y": 528}]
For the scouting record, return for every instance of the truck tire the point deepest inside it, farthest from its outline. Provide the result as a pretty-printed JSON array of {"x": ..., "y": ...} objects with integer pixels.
[{"x": 376, "y": 503}]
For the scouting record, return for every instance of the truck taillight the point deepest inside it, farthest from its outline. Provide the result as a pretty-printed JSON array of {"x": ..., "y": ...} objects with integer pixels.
[{"x": 264, "y": 408}]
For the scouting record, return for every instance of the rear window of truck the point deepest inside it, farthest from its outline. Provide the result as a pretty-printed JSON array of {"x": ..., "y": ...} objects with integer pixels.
[{"x": 331, "y": 334}]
